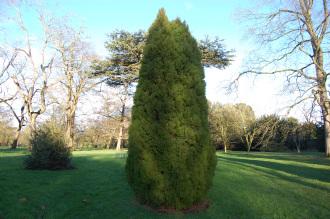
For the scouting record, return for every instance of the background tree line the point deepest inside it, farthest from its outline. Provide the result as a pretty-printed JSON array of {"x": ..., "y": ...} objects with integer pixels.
[
  {"x": 232, "y": 127},
  {"x": 235, "y": 127}
]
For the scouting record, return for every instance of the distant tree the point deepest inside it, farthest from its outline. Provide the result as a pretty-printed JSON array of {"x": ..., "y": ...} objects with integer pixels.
[
  {"x": 7, "y": 57},
  {"x": 12, "y": 100},
  {"x": 19, "y": 116},
  {"x": 250, "y": 132},
  {"x": 304, "y": 136},
  {"x": 170, "y": 162},
  {"x": 220, "y": 121},
  {"x": 214, "y": 54},
  {"x": 294, "y": 39},
  {"x": 121, "y": 68},
  {"x": 6, "y": 131},
  {"x": 126, "y": 53},
  {"x": 100, "y": 133},
  {"x": 117, "y": 114},
  {"x": 230, "y": 124},
  {"x": 246, "y": 117},
  {"x": 75, "y": 58},
  {"x": 265, "y": 129},
  {"x": 57, "y": 56},
  {"x": 287, "y": 129},
  {"x": 32, "y": 86}
]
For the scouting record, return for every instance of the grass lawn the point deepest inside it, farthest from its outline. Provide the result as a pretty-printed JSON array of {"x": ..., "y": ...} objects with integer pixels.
[{"x": 254, "y": 185}]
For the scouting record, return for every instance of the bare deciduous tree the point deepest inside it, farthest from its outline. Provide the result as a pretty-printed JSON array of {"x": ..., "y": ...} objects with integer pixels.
[
  {"x": 6, "y": 61},
  {"x": 31, "y": 85},
  {"x": 294, "y": 41},
  {"x": 20, "y": 119},
  {"x": 73, "y": 64},
  {"x": 116, "y": 111}
]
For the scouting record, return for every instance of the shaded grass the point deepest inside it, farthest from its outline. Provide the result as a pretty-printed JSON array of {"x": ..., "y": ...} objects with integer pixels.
[{"x": 254, "y": 185}]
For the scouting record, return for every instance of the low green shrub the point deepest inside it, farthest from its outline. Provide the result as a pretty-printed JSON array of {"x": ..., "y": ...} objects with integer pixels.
[{"x": 49, "y": 151}]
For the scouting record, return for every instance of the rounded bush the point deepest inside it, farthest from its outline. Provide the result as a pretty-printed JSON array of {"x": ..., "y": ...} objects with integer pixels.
[{"x": 49, "y": 151}]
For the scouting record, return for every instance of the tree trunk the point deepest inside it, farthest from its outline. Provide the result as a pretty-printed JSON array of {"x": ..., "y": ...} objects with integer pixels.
[
  {"x": 327, "y": 134},
  {"x": 122, "y": 118},
  {"x": 69, "y": 133},
  {"x": 298, "y": 148},
  {"x": 33, "y": 124},
  {"x": 248, "y": 142},
  {"x": 323, "y": 96},
  {"x": 109, "y": 143},
  {"x": 17, "y": 135},
  {"x": 297, "y": 143},
  {"x": 32, "y": 127},
  {"x": 120, "y": 137},
  {"x": 225, "y": 147}
]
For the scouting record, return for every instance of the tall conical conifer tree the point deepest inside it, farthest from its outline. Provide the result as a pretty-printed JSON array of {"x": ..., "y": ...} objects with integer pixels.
[{"x": 170, "y": 160}]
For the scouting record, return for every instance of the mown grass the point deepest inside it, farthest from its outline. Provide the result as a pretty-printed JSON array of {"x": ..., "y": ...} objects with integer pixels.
[{"x": 246, "y": 185}]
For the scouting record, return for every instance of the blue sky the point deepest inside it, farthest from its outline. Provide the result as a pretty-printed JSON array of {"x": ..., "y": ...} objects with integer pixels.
[
  {"x": 204, "y": 17},
  {"x": 98, "y": 17}
]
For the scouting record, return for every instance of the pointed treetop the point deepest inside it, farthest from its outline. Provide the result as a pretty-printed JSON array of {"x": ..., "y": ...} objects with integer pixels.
[
  {"x": 160, "y": 22},
  {"x": 161, "y": 13},
  {"x": 161, "y": 16}
]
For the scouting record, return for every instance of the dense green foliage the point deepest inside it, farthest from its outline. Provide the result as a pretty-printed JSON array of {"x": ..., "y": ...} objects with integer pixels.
[
  {"x": 126, "y": 52},
  {"x": 49, "y": 151},
  {"x": 246, "y": 185},
  {"x": 235, "y": 127},
  {"x": 279, "y": 134},
  {"x": 214, "y": 53},
  {"x": 122, "y": 66},
  {"x": 170, "y": 161},
  {"x": 229, "y": 124}
]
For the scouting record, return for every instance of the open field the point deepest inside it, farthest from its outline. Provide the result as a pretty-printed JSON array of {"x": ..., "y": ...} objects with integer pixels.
[{"x": 254, "y": 185}]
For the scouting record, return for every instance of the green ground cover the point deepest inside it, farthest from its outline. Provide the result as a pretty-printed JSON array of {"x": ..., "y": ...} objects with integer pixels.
[{"x": 246, "y": 185}]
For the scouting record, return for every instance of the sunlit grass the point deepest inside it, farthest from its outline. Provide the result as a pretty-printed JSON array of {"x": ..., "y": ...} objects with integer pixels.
[{"x": 254, "y": 185}]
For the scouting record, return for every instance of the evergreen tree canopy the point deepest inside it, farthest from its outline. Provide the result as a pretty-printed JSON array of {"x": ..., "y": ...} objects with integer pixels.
[{"x": 170, "y": 160}]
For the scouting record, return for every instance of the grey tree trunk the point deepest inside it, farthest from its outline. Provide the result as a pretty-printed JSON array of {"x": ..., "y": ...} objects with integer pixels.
[
  {"x": 298, "y": 148},
  {"x": 120, "y": 137},
  {"x": 17, "y": 135},
  {"x": 322, "y": 95},
  {"x": 70, "y": 122},
  {"x": 109, "y": 143},
  {"x": 297, "y": 143},
  {"x": 33, "y": 124},
  {"x": 327, "y": 135},
  {"x": 122, "y": 120}
]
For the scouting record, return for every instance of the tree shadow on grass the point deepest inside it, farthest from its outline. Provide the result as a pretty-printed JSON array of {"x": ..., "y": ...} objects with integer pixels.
[
  {"x": 305, "y": 157},
  {"x": 280, "y": 171},
  {"x": 18, "y": 151},
  {"x": 96, "y": 188}
]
